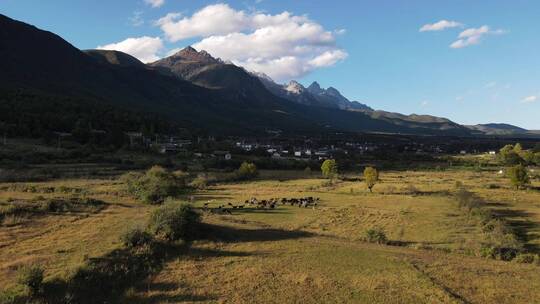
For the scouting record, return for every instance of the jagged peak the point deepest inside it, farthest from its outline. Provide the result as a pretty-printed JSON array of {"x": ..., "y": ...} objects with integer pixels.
[
  {"x": 294, "y": 87},
  {"x": 315, "y": 85},
  {"x": 262, "y": 76},
  {"x": 189, "y": 48},
  {"x": 295, "y": 83},
  {"x": 333, "y": 91},
  {"x": 190, "y": 54}
]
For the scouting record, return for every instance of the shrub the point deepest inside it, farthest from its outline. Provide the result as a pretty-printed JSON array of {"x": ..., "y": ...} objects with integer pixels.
[
  {"x": 499, "y": 253},
  {"x": 136, "y": 237},
  {"x": 246, "y": 171},
  {"x": 32, "y": 278},
  {"x": 132, "y": 181},
  {"x": 54, "y": 205},
  {"x": 500, "y": 242},
  {"x": 467, "y": 200},
  {"x": 376, "y": 235},
  {"x": 174, "y": 221},
  {"x": 88, "y": 201},
  {"x": 154, "y": 185}
]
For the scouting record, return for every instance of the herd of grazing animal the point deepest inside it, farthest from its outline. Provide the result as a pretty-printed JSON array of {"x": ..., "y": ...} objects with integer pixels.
[{"x": 304, "y": 202}]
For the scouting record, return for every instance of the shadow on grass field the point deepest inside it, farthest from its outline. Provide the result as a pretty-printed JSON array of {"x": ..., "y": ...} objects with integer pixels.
[
  {"x": 160, "y": 295},
  {"x": 522, "y": 224},
  {"x": 229, "y": 234},
  {"x": 106, "y": 279}
]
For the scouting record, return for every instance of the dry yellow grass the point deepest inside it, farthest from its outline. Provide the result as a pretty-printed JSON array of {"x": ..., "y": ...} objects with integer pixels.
[{"x": 303, "y": 255}]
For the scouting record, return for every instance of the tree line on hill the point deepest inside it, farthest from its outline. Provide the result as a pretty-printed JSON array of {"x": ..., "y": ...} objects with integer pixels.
[{"x": 29, "y": 115}]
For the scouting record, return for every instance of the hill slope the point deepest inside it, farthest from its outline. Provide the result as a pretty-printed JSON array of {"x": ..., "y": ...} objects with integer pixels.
[{"x": 498, "y": 129}]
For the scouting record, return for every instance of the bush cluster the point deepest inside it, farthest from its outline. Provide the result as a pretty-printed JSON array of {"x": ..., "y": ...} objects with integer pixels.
[
  {"x": 136, "y": 237},
  {"x": 201, "y": 181},
  {"x": 154, "y": 185},
  {"x": 513, "y": 155},
  {"x": 174, "y": 221},
  {"x": 498, "y": 239},
  {"x": 31, "y": 277},
  {"x": 376, "y": 235},
  {"x": 104, "y": 279}
]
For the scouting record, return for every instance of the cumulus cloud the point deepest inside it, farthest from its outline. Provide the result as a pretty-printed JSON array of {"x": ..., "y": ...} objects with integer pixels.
[
  {"x": 328, "y": 58},
  {"x": 212, "y": 19},
  {"x": 473, "y": 36},
  {"x": 530, "y": 99},
  {"x": 283, "y": 46},
  {"x": 155, "y": 3},
  {"x": 145, "y": 48},
  {"x": 439, "y": 26}
]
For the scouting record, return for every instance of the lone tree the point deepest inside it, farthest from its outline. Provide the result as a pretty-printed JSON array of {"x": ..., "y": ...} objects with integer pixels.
[
  {"x": 518, "y": 176},
  {"x": 510, "y": 155},
  {"x": 371, "y": 177},
  {"x": 329, "y": 168}
]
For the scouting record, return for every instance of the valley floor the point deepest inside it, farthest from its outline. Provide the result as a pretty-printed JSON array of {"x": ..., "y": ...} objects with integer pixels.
[{"x": 297, "y": 255}]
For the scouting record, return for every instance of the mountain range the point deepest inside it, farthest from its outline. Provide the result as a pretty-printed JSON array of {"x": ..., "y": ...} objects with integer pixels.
[{"x": 191, "y": 89}]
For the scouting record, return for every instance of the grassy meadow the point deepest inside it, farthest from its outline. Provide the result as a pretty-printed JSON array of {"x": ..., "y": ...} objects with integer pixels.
[{"x": 291, "y": 254}]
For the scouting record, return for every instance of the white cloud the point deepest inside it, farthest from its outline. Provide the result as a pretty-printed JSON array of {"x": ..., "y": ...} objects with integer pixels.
[
  {"x": 283, "y": 46},
  {"x": 145, "y": 48},
  {"x": 136, "y": 19},
  {"x": 474, "y": 36},
  {"x": 211, "y": 20},
  {"x": 425, "y": 103},
  {"x": 439, "y": 26},
  {"x": 155, "y": 3},
  {"x": 530, "y": 99},
  {"x": 328, "y": 58},
  {"x": 472, "y": 32}
]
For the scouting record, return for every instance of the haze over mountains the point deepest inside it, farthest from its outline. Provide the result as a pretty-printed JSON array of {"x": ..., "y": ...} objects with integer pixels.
[{"x": 190, "y": 88}]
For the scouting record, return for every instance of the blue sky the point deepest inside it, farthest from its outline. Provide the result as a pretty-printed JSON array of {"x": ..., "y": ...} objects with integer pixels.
[{"x": 372, "y": 51}]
